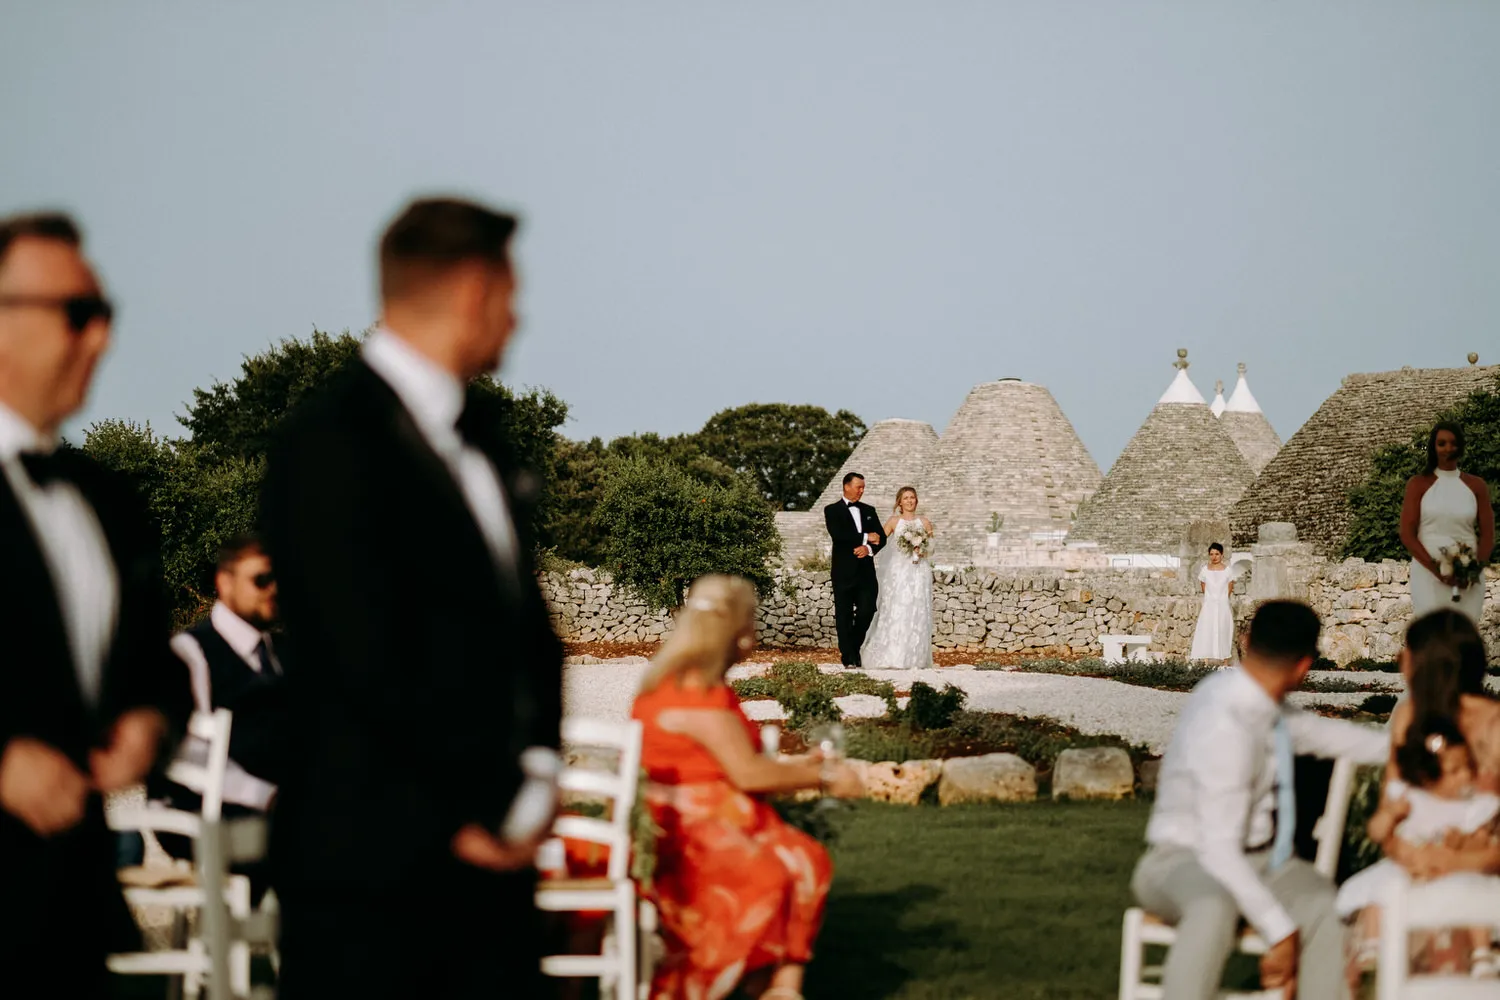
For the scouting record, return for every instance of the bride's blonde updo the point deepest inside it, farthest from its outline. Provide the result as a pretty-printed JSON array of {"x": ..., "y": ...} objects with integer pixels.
[
  {"x": 715, "y": 627},
  {"x": 902, "y": 492}
]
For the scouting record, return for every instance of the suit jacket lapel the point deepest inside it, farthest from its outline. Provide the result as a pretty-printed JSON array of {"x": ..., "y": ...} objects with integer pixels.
[{"x": 29, "y": 591}]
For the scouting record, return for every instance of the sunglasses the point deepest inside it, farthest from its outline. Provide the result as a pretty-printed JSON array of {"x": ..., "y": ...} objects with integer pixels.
[
  {"x": 264, "y": 580},
  {"x": 79, "y": 310}
]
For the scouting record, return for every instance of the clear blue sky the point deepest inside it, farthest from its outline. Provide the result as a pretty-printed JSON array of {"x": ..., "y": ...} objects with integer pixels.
[{"x": 866, "y": 204}]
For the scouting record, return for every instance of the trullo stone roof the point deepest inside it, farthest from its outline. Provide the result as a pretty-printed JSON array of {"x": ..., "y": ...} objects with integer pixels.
[
  {"x": 892, "y": 454},
  {"x": 1009, "y": 449},
  {"x": 1180, "y": 467},
  {"x": 1248, "y": 427},
  {"x": 1308, "y": 481}
]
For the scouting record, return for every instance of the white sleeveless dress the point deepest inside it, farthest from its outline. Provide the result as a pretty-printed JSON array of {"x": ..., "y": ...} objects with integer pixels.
[
  {"x": 1213, "y": 639},
  {"x": 1429, "y": 821},
  {"x": 900, "y": 637},
  {"x": 1450, "y": 514}
]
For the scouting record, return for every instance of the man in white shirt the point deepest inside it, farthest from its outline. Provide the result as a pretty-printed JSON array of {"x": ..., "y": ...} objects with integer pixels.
[
  {"x": 1222, "y": 830},
  {"x": 87, "y": 699}
]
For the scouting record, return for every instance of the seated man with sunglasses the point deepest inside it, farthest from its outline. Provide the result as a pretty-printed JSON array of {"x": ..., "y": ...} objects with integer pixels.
[{"x": 232, "y": 663}]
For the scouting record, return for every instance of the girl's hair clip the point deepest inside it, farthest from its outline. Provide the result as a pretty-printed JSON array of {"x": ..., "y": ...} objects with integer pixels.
[
  {"x": 1436, "y": 743},
  {"x": 701, "y": 604}
]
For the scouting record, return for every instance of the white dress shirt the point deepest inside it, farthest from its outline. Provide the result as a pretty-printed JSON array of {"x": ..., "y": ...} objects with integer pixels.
[
  {"x": 435, "y": 399},
  {"x": 240, "y": 786},
  {"x": 859, "y": 521},
  {"x": 1215, "y": 795},
  {"x": 74, "y": 547}
]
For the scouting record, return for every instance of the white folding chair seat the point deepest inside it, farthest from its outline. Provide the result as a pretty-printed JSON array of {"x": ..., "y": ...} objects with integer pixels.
[
  {"x": 1431, "y": 906},
  {"x": 1139, "y": 981},
  {"x": 617, "y": 966}
]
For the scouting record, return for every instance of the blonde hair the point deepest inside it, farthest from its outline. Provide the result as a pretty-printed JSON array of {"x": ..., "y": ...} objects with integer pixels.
[
  {"x": 719, "y": 610},
  {"x": 902, "y": 492}
]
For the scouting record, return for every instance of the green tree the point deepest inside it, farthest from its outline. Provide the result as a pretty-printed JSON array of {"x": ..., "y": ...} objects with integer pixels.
[
  {"x": 666, "y": 529},
  {"x": 1374, "y": 530},
  {"x": 790, "y": 451},
  {"x": 580, "y": 471},
  {"x": 204, "y": 489}
]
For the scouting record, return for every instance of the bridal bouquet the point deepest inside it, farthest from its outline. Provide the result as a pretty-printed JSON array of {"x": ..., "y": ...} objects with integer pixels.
[
  {"x": 1460, "y": 562},
  {"x": 914, "y": 540}
]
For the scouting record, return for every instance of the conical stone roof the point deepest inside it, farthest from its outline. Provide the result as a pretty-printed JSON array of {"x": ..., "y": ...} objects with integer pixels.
[
  {"x": 1248, "y": 427},
  {"x": 1308, "y": 481},
  {"x": 1180, "y": 467},
  {"x": 892, "y": 454},
  {"x": 1218, "y": 404},
  {"x": 1008, "y": 450}
]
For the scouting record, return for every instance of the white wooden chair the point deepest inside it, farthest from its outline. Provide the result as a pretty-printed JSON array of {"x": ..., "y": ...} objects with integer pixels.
[
  {"x": 1142, "y": 929},
  {"x": 1449, "y": 903},
  {"x": 222, "y": 899},
  {"x": 617, "y": 966}
]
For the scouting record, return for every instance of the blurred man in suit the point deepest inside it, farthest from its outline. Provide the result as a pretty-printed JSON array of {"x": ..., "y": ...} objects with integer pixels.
[
  {"x": 89, "y": 691},
  {"x": 426, "y": 662}
]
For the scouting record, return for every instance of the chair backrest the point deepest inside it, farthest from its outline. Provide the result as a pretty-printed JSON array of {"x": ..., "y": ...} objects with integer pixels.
[
  {"x": 204, "y": 759},
  {"x": 1330, "y": 828},
  {"x": 618, "y": 786},
  {"x": 1407, "y": 907}
]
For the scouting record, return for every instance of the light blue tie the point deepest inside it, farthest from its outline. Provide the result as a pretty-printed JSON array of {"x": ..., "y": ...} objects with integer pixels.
[{"x": 1286, "y": 796}]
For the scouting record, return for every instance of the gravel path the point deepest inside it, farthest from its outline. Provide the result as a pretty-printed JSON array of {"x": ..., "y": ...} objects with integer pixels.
[{"x": 1090, "y": 704}]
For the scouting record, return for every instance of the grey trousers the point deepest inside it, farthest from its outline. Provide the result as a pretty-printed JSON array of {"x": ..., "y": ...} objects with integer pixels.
[{"x": 1170, "y": 883}]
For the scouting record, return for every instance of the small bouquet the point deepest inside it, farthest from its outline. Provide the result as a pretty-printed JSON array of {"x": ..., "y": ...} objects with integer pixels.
[
  {"x": 914, "y": 540},
  {"x": 1459, "y": 561}
]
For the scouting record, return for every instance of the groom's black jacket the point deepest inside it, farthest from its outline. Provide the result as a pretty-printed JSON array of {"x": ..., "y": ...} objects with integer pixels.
[{"x": 848, "y": 569}]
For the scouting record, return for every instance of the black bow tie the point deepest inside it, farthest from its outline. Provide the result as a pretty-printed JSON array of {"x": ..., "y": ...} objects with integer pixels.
[
  {"x": 45, "y": 468},
  {"x": 851, "y": 503}
]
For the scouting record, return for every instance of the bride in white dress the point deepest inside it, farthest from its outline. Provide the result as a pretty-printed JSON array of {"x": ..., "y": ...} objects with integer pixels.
[
  {"x": 900, "y": 637},
  {"x": 1213, "y": 638},
  {"x": 1443, "y": 508}
]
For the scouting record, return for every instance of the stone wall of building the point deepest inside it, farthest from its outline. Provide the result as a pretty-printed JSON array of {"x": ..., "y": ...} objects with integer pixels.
[{"x": 1364, "y": 607}]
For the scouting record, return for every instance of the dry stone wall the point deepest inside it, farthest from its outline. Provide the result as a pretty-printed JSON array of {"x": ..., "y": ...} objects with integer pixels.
[{"x": 1364, "y": 607}]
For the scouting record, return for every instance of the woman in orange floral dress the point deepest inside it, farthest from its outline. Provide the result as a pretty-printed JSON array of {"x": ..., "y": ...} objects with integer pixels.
[{"x": 740, "y": 892}]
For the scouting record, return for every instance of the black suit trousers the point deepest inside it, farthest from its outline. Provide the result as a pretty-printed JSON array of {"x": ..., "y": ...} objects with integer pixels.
[{"x": 854, "y": 609}]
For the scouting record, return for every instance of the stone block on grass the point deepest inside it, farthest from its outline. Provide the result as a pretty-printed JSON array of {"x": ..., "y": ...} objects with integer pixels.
[
  {"x": 902, "y": 784},
  {"x": 1094, "y": 773},
  {"x": 992, "y": 777}
]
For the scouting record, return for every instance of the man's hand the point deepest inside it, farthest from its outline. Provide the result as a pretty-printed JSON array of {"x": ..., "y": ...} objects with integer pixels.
[
  {"x": 861, "y": 552},
  {"x": 1278, "y": 966},
  {"x": 41, "y": 787},
  {"x": 474, "y": 845},
  {"x": 132, "y": 750}
]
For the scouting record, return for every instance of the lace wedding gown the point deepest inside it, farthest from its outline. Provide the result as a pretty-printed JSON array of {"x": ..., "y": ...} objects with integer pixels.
[
  {"x": 1450, "y": 514},
  {"x": 900, "y": 637}
]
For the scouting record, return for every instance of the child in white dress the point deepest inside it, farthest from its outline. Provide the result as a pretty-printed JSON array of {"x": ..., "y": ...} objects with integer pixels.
[{"x": 1433, "y": 796}]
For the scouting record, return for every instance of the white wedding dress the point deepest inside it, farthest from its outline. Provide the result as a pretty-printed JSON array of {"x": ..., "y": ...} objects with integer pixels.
[
  {"x": 1450, "y": 513},
  {"x": 900, "y": 637}
]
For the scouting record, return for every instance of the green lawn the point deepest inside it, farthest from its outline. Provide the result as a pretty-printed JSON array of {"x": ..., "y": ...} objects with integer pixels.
[{"x": 963, "y": 903}]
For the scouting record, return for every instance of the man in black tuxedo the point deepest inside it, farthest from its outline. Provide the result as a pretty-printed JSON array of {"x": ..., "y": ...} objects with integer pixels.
[
  {"x": 426, "y": 664},
  {"x": 89, "y": 691},
  {"x": 233, "y": 662},
  {"x": 857, "y": 536}
]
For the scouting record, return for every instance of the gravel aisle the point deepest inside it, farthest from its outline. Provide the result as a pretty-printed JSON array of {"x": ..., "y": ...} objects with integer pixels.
[{"x": 1090, "y": 704}]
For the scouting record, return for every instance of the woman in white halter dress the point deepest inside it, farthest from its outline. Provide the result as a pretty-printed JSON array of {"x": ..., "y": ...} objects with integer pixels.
[
  {"x": 900, "y": 637},
  {"x": 1443, "y": 508}
]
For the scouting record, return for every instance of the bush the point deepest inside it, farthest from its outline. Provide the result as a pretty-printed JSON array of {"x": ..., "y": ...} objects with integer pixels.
[
  {"x": 881, "y": 742},
  {"x": 930, "y": 708},
  {"x": 810, "y": 707},
  {"x": 819, "y": 563},
  {"x": 667, "y": 529},
  {"x": 1378, "y": 704},
  {"x": 806, "y": 693}
]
